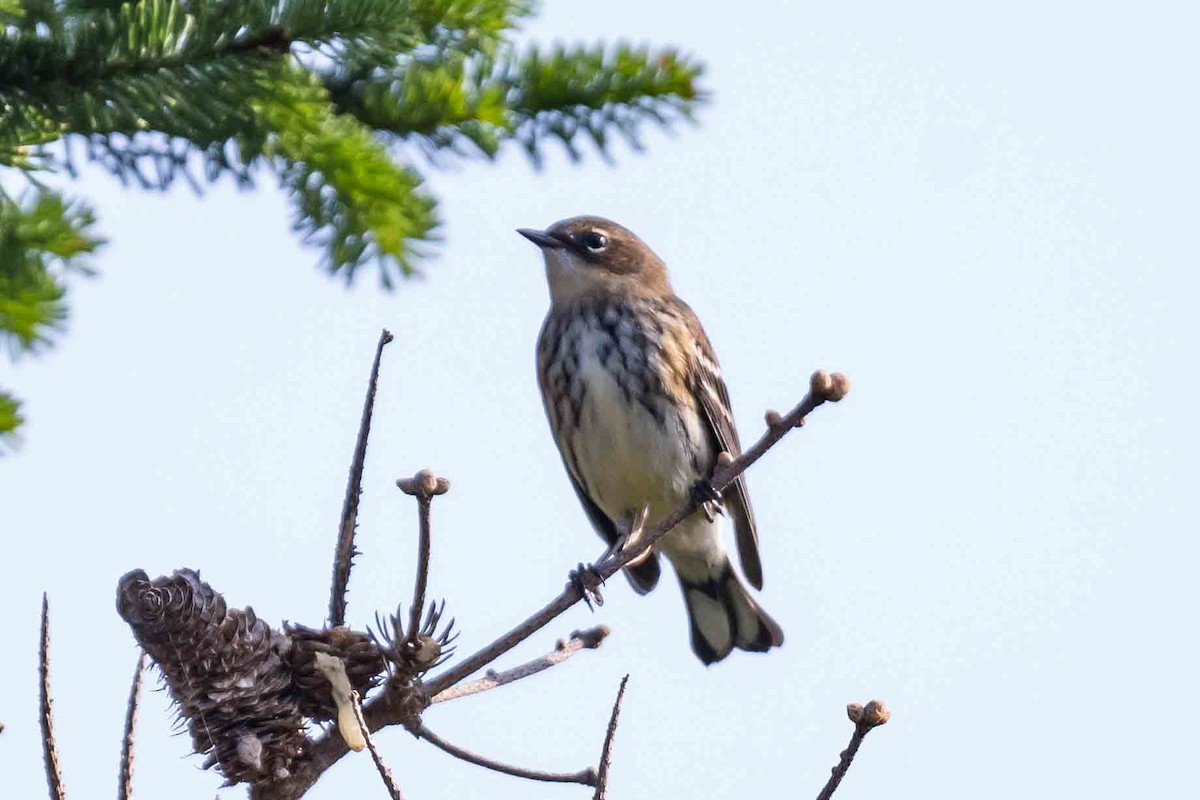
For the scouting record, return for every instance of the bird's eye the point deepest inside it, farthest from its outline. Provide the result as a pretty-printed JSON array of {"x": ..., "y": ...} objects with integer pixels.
[{"x": 594, "y": 241}]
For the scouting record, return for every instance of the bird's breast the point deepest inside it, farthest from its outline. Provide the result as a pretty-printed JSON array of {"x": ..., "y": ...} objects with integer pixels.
[{"x": 625, "y": 428}]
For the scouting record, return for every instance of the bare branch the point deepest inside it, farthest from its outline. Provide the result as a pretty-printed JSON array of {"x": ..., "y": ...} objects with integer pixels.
[
  {"x": 822, "y": 388},
  {"x": 606, "y": 751},
  {"x": 424, "y": 546},
  {"x": 49, "y": 746},
  {"x": 874, "y": 714},
  {"x": 384, "y": 709},
  {"x": 588, "y": 639},
  {"x": 343, "y": 555},
  {"x": 125, "y": 777},
  {"x": 384, "y": 772},
  {"x": 587, "y": 777},
  {"x": 424, "y": 486}
]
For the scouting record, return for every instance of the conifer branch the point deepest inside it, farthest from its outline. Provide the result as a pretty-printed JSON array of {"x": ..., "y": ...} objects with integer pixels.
[
  {"x": 156, "y": 91},
  {"x": 125, "y": 776},
  {"x": 54, "y": 777},
  {"x": 343, "y": 556}
]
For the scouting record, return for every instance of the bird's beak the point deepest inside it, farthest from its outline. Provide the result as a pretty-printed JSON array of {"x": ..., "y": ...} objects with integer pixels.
[{"x": 540, "y": 238}]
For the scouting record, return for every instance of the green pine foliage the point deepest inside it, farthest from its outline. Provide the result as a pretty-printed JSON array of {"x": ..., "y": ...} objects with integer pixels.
[{"x": 342, "y": 101}]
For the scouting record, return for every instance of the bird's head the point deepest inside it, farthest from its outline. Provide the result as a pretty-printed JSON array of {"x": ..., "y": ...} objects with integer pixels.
[{"x": 593, "y": 255}]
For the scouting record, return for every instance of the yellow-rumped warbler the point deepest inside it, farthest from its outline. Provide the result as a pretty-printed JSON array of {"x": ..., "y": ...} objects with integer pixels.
[{"x": 639, "y": 412}]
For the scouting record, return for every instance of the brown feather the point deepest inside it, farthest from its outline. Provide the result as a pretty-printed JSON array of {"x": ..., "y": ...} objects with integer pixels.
[{"x": 709, "y": 389}]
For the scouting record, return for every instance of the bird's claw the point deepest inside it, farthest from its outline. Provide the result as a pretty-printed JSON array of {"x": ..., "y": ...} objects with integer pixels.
[
  {"x": 587, "y": 580},
  {"x": 708, "y": 499}
]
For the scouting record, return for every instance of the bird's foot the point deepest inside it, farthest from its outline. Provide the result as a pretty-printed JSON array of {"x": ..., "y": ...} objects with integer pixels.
[
  {"x": 630, "y": 535},
  {"x": 587, "y": 580},
  {"x": 708, "y": 499}
]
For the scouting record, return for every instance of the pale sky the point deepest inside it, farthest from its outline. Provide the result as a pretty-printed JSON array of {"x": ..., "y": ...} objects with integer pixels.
[{"x": 985, "y": 218}]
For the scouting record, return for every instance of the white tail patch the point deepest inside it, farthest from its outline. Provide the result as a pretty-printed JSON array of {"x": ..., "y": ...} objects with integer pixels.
[
  {"x": 710, "y": 618},
  {"x": 746, "y": 613}
]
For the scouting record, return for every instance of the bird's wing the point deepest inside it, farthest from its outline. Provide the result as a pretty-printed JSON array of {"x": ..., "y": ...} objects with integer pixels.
[{"x": 709, "y": 388}]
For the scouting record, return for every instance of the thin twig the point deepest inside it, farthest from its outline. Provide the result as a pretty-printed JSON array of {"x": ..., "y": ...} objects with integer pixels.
[
  {"x": 49, "y": 746},
  {"x": 424, "y": 545},
  {"x": 874, "y": 714},
  {"x": 384, "y": 772},
  {"x": 588, "y": 639},
  {"x": 606, "y": 751},
  {"x": 587, "y": 777},
  {"x": 424, "y": 486},
  {"x": 822, "y": 388},
  {"x": 343, "y": 555},
  {"x": 125, "y": 777}
]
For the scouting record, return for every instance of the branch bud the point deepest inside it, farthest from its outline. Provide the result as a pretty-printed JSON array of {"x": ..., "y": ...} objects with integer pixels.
[
  {"x": 820, "y": 384},
  {"x": 591, "y": 637},
  {"x": 875, "y": 713},
  {"x": 828, "y": 388},
  {"x": 424, "y": 485},
  {"x": 872, "y": 715},
  {"x": 426, "y": 650},
  {"x": 841, "y": 387}
]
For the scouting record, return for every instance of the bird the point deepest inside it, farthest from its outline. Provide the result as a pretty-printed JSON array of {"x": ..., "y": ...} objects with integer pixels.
[{"x": 640, "y": 413}]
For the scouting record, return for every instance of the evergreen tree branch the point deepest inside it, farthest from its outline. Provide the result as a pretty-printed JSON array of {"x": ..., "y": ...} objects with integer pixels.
[
  {"x": 308, "y": 90},
  {"x": 42, "y": 237},
  {"x": 10, "y": 420},
  {"x": 473, "y": 106}
]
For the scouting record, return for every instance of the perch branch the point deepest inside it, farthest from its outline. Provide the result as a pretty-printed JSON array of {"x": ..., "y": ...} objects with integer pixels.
[
  {"x": 585, "y": 776},
  {"x": 588, "y": 639},
  {"x": 49, "y": 746},
  {"x": 822, "y": 388},
  {"x": 125, "y": 776},
  {"x": 343, "y": 555},
  {"x": 606, "y": 751},
  {"x": 383, "y": 710},
  {"x": 874, "y": 714},
  {"x": 384, "y": 772}
]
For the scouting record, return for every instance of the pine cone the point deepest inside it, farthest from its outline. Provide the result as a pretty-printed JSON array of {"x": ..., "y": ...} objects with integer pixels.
[
  {"x": 363, "y": 659},
  {"x": 222, "y": 668}
]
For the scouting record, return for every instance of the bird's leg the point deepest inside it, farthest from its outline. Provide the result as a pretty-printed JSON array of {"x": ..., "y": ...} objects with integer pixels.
[
  {"x": 708, "y": 499},
  {"x": 631, "y": 532},
  {"x": 587, "y": 581}
]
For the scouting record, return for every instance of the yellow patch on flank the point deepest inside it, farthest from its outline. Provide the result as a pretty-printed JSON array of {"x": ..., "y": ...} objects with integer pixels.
[{"x": 675, "y": 349}]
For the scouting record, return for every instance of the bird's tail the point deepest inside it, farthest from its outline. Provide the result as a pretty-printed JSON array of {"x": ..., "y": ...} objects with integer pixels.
[{"x": 724, "y": 615}]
